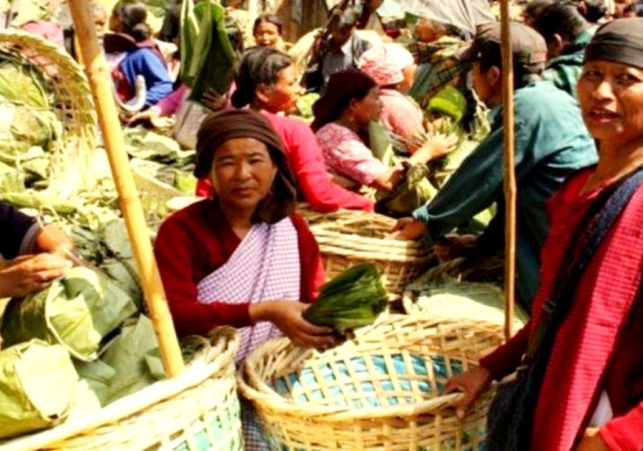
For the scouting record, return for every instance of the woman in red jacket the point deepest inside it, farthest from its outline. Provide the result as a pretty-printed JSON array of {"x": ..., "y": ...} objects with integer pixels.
[{"x": 589, "y": 394}]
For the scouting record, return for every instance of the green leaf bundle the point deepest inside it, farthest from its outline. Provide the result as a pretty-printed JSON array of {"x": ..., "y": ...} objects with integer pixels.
[{"x": 352, "y": 299}]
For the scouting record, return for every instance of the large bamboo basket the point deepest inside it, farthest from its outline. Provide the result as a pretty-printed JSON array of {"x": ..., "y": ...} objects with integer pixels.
[
  {"x": 199, "y": 410},
  {"x": 313, "y": 216},
  {"x": 345, "y": 243},
  {"x": 380, "y": 391},
  {"x": 73, "y": 103}
]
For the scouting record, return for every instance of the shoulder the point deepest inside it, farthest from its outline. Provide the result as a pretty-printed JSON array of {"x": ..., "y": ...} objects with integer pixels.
[
  {"x": 186, "y": 219},
  {"x": 301, "y": 226}
]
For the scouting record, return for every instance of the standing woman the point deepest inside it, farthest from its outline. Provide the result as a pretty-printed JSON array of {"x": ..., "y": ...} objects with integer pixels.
[
  {"x": 583, "y": 387},
  {"x": 132, "y": 52}
]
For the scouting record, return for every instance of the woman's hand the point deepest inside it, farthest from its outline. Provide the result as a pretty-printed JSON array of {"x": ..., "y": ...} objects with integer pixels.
[
  {"x": 287, "y": 316},
  {"x": 471, "y": 383},
  {"x": 213, "y": 100},
  {"x": 407, "y": 229},
  {"x": 592, "y": 441},
  {"x": 29, "y": 274},
  {"x": 435, "y": 147},
  {"x": 148, "y": 116}
]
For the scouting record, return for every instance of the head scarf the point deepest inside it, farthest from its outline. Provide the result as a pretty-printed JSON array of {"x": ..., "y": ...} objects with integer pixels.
[
  {"x": 342, "y": 87},
  {"x": 620, "y": 41},
  {"x": 218, "y": 128},
  {"x": 385, "y": 63}
]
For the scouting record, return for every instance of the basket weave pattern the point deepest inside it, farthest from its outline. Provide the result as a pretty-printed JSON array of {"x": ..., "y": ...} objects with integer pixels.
[
  {"x": 380, "y": 391},
  {"x": 199, "y": 410},
  {"x": 345, "y": 243}
]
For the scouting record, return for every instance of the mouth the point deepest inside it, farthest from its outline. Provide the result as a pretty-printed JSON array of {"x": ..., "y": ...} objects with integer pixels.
[{"x": 601, "y": 115}]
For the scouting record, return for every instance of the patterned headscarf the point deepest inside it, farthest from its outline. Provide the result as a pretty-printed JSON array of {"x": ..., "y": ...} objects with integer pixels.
[
  {"x": 385, "y": 63},
  {"x": 218, "y": 128}
]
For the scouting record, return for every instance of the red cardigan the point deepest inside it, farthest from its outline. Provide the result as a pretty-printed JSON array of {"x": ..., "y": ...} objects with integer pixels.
[
  {"x": 195, "y": 241},
  {"x": 307, "y": 163},
  {"x": 597, "y": 347}
]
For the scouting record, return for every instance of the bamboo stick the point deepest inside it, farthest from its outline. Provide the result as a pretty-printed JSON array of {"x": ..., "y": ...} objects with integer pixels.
[
  {"x": 129, "y": 201},
  {"x": 510, "y": 175}
]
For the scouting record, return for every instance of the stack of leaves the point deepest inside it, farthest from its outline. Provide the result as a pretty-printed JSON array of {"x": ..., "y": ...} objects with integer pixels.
[{"x": 353, "y": 299}]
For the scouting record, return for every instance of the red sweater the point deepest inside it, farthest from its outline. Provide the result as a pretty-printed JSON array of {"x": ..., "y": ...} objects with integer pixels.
[
  {"x": 596, "y": 347},
  {"x": 195, "y": 241},
  {"x": 307, "y": 163}
]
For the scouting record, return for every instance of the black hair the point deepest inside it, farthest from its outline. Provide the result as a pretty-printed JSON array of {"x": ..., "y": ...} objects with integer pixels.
[
  {"x": 636, "y": 8},
  {"x": 594, "y": 10},
  {"x": 563, "y": 19},
  {"x": 522, "y": 75},
  {"x": 534, "y": 8},
  {"x": 132, "y": 15},
  {"x": 171, "y": 28},
  {"x": 258, "y": 66},
  {"x": 270, "y": 18},
  {"x": 346, "y": 18}
]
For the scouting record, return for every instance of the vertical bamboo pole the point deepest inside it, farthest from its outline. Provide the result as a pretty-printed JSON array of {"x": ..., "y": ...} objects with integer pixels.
[
  {"x": 510, "y": 175},
  {"x": 99, "y": 79}
]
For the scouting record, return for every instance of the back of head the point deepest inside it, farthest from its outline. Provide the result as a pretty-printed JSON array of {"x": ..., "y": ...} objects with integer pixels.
[
  {"x": 596, "y": 10},
  {"x": 533, "y": 9},
  {"x": 561, "y": 18},
  {"x": 258, "y": 66},
  {"x": 132, "y": 16}
]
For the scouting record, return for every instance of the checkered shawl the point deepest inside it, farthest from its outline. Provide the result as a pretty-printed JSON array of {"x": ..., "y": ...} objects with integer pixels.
[{"x": 264, "y": 267}]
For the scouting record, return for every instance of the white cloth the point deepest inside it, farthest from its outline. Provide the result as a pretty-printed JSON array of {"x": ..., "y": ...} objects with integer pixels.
[
  {"x": 265, "y": 267},
  {"x": 603, "y": 412}
]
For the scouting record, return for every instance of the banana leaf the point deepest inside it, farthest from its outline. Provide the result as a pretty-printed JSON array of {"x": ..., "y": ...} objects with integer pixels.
[
  {"x": 37, "y": 387},
  {"x": 98, "y": 375},
  {"x": 76, "y": 311}
]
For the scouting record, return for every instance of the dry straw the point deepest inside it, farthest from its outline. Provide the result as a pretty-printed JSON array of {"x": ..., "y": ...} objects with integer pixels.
[
  {"x": 380, "y": 391},
  {"x": 197, "y": 410}
]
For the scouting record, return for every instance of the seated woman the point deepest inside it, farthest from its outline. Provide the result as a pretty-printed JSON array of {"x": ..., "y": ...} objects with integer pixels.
[
  {"x": 350, "y": 104},
  {"x": 266, "y": 30},
  {"x": 131, "y": 52},
  {"x": 267, "y": 82},
  {"x": 242, "y": 259},
  {"x": 393, "y": 69},
  {"x": 582, "y": 388}
]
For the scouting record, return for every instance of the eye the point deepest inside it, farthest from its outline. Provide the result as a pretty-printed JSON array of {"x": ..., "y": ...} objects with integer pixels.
[
  {"x": 592, "y": 75},
  {"x": 628, "y": 79}
]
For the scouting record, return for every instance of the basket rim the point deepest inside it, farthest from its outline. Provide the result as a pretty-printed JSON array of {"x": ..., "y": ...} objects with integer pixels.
[{"x": 222, "y": 355}]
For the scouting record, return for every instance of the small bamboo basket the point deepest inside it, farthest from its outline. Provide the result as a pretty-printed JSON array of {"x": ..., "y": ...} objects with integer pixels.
[
  {"x": 199, "y": 410},
  {"x": 380, "y": 391},
  {"x": 345, "y": 243}
]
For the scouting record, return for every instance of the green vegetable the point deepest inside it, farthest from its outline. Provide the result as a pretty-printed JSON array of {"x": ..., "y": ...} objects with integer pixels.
[{"x": 353, "y": 299}]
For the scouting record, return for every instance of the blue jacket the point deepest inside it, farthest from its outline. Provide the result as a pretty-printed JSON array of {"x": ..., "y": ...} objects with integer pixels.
[
  {"x": 551, "y": 143},
  {"x": 147, "y": 63}
]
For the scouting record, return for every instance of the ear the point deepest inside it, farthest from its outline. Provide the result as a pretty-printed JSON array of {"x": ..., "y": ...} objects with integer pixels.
[
  {"x": 494, "y": 76},
  {"x": 558, "y": 44},
  {"x": 263, "y": 93}
]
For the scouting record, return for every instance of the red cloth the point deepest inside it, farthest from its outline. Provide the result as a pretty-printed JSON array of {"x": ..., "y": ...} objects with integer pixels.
[
  {"x": 593, "y": 349},
  {"x": 197, "y": 240},
  {"x": 307, "y": 163}
]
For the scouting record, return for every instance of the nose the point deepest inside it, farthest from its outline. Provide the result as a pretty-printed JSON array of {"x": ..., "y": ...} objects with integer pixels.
[
  {"x": 603, "y": 89},
  {"x": 243, "y": 171}
]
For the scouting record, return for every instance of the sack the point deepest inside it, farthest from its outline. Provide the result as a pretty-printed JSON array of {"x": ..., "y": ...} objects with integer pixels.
[
  {"x": 37, "y": 387},
  {"x": 504, "y": 419},
  {"x": 76, "y": 311},
  {"x": 188, "y": 121}
]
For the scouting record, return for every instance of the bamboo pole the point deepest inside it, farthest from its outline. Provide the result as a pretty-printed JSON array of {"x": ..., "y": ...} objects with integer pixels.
[
  {"x": 129, "y": 201},
  {"x": 510, "y": 175}
]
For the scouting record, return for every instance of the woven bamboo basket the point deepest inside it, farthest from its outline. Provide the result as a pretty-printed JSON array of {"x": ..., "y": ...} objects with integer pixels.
[
  {"x": 73, "y": 103},
  {"x": 444, "y": 292},
  {"x": 379, "y": 391},
  {"x": 315, "y": 217},
  {"x": 345, "y": 243},
  {"x": 199, "y": 410}
]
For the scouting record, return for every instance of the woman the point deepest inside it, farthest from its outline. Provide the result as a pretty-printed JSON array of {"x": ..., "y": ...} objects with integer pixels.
[
  {"x": 267, "y": 81},
  {"x": 393, "y": 69},
  {"x": 132, "y": 52},
  {"x": 266, "y": 30},
  {"x": 350, "y": 104},
  {"x": 590, "y": 396}
]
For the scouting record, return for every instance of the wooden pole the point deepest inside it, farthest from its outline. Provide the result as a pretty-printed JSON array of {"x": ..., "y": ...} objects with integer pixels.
[
  {"x": 510, "y": 175},
  {"x": 129, "y": 201}
]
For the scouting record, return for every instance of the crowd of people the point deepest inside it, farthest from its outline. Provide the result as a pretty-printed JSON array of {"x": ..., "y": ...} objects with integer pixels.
[{"x": 241, "y": 256}]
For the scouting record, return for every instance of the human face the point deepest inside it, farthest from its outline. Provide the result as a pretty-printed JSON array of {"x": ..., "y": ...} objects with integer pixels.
[
  {"x": 266, "y": 34},
  {"x": 283, "y": 95},
  {"x": 485, "y": 83},
  {"x": 242, "y": 173},
  {"x": 368, "y": 109},
  {"x": 611, "y": 99},
  {"x": 340, "y": 36}
]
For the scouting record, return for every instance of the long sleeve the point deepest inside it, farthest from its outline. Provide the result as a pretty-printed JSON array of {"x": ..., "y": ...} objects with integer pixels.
[
  {"x": 18, "y": 231},
  {"x": 157, "y": 79},
  {"x": 169, "y": 105},
  {"x": 312, "y": 268},
  {"x": 625, "y": 433},
  {"x": 506, "y": 358}
]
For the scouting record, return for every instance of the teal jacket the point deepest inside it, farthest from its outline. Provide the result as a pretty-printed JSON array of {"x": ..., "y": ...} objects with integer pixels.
[{"x": 551, "y": 142}]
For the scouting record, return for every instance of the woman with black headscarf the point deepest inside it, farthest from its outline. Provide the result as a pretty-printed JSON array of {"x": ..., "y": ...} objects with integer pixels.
[
  {"x": 578, "y": 382},
  {"x": 242, "y": 258}
]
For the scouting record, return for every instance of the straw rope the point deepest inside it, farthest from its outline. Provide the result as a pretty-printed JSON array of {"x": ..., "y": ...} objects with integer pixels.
[
  {"x": 347, "y": 242},
  {"x": 197, "y": 410},
  {"x": 379, "y": 391}
]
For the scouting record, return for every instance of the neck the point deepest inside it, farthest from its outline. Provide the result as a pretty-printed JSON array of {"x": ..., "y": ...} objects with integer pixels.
[
  {"x": 615, "y": 162},
  {"x": 344, "y": 121},
  {"x": 239, "y": 220}
]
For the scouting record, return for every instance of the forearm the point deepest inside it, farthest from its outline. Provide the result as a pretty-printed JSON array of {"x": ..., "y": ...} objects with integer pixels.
[
  {"x": 506, "y": 359},
  {"x": 51, "y": 239}
]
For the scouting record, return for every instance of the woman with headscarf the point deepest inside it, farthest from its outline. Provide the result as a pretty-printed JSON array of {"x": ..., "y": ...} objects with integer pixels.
[
  {"x": 350, "y": 104},
  {"x": 580, "y": 384},
  {"x": 267, "y": 81},
  {"x": 393, "y": 69}
]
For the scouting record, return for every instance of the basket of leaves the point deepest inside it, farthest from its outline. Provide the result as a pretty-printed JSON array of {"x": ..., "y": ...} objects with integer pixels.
[{"x": 381, "y": 390}]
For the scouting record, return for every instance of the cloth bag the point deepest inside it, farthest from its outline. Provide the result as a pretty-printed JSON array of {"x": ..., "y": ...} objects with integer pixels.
[
  {"x": 76, "y": 311},
  {"x": 512, "y": 410},
  {"x": 37, "y": 387}
]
